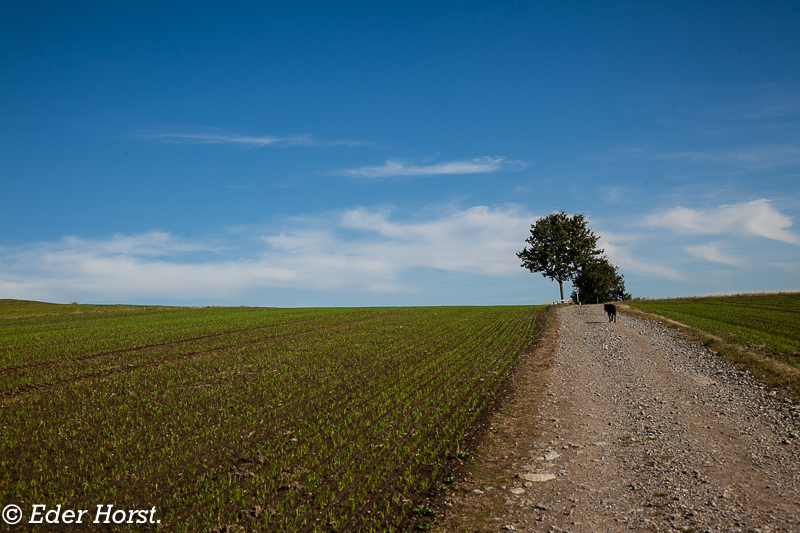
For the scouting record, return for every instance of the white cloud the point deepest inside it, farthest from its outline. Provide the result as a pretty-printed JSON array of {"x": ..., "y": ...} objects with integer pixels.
[
  {"x": 478, "y": 240},
  {"x": 711, "y": 252},
  {"x": 315, "y": 253},
  {"x": 123, "y": 267},
  {"x": 220, "y": 136},
  {"x": 620, "y": 255},
  {"x": 72, "y": 274},
  {"x": 390, "y": 169},
  {"x": 757, "y": 218}
]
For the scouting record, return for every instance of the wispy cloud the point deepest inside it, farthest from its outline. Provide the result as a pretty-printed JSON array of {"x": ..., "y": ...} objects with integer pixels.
[
  {"x": 740, "y": 157},
  {"x": 753, "y": 157},
  {"x": 782, "y": 101},
  {"x": 756, "y": 218},
  {"x": 711, "y": 252},
  {"x": 391, "y": 168},
  {"x": 220, "y": 136},
  {"x": 613, "y": 194},
  {"x": 152, "y": 243}
]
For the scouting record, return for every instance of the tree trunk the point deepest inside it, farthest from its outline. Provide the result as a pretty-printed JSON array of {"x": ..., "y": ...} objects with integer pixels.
[{"x": 561, "y": 287}]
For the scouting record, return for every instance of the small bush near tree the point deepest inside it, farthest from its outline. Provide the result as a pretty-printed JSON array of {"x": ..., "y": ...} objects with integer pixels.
[{"x": 598, "y": 281}]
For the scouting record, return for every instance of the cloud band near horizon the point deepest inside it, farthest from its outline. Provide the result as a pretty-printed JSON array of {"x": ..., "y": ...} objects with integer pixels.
[{"x": 355, "y": 250}]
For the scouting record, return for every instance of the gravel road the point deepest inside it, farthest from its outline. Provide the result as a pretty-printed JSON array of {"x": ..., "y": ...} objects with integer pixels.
[{"x": 642, "y": 430}]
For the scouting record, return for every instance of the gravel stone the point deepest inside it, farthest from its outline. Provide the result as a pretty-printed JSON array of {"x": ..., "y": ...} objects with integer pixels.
[{"x": 656, "y": 433}]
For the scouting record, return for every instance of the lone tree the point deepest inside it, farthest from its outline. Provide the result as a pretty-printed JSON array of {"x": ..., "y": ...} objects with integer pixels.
[
  {"x": 598, "y": 280},
  {"x": 559, "y": 246}
]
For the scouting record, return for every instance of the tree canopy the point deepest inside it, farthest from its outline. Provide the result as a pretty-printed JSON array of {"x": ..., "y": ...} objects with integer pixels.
[
  {"x": 598, "y": 281},
  {"x": 559, "y": 245}
]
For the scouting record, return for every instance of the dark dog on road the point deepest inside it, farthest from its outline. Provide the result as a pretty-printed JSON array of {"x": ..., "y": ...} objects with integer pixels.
[{"x": 611, "y": 309}]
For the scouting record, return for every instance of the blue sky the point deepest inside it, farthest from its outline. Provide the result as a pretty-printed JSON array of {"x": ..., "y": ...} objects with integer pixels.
[{"x": 375, "y": 153}]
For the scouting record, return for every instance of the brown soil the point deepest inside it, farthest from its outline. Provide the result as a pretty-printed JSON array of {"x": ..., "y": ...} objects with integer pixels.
[{"x": 503, "y": 437}]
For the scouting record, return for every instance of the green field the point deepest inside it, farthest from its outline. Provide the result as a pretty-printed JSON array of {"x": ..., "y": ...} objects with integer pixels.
[
  {"x": 768, "y": 324},
  {"x": 273, "y": 419}
]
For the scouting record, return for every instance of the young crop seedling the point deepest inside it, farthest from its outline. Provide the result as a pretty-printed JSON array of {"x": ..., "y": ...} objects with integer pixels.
[
  {"x": 319, "y": 417},
  {"x": 423, "y": 510}
]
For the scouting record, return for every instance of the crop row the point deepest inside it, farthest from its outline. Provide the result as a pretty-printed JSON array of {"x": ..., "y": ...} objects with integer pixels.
[
  {"x": 139, "y": 352},
  {"x": 42, "y": 340},
  {"x": 302, "y": 422}
]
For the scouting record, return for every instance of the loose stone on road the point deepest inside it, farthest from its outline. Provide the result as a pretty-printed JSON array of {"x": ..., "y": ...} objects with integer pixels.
[{"x": 639, "y": 429}]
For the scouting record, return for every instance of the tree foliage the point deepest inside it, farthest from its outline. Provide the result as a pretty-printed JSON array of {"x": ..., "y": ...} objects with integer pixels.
[
  {"x": 559, "y": 246},
  {"x": 598, "y": 281}
]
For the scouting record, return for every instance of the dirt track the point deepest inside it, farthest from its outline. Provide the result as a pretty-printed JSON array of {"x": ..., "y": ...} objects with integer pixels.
[{"x": 638, "y": 429}]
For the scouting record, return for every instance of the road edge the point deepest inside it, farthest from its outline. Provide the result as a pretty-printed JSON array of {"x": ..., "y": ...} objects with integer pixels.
[
  {"x": 771, "y": 372},
  {"x": 506, "y": 436}
]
